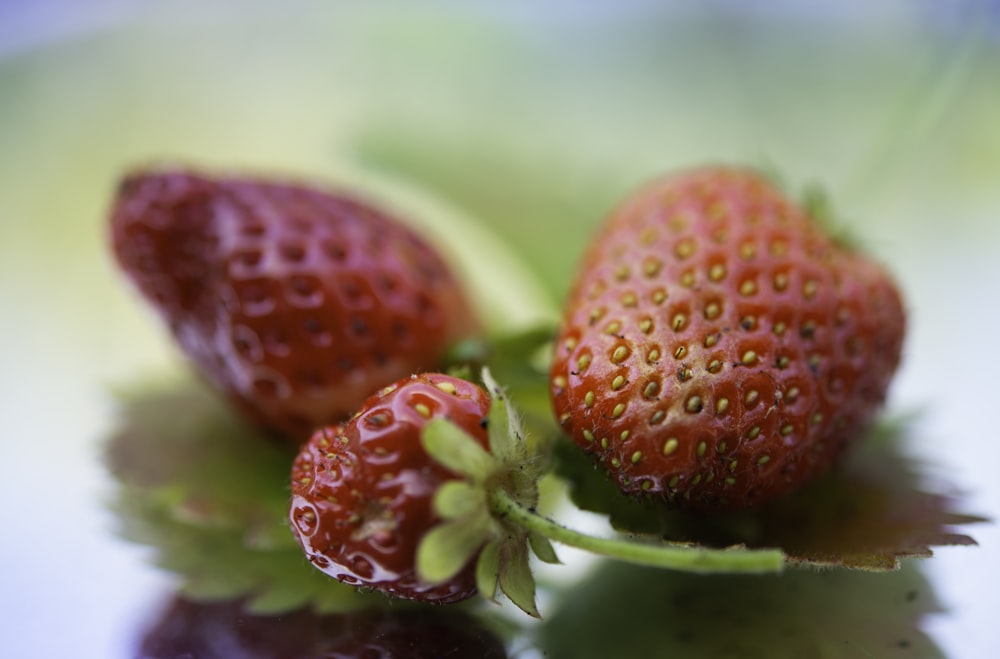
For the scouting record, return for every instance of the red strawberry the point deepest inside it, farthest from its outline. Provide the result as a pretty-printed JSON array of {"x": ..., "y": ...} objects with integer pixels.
[
  {"x": 363, "y": 490},
  {"x": 296, "y": 302},
  {"x": 718, "y": 348}
]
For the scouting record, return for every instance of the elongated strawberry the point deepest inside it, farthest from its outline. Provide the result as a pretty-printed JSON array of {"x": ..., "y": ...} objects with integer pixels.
[
  {"x": 718, "y": 348},
  {"x": 363, "y": 491},
  {"x": 296, "y": 302}
]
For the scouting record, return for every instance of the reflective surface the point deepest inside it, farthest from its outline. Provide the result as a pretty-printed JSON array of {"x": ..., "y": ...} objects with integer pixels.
[{"x": 534, "y": 123}]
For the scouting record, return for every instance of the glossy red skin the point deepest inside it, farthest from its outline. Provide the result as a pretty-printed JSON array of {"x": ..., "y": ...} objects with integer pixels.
[
  {"x": 362, "y": 491},
  {"x": 824, "y": 325},
  {"x": 296, "y": 302}
]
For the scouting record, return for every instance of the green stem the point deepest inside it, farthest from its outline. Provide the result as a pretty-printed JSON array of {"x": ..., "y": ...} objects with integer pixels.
[{"x": 676, "y": 557}]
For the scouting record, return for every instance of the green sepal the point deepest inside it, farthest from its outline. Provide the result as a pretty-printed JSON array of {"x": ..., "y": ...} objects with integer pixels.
[
  {"x": 506, "y": 435},
  {"x": 543, "y": 549},
  {"x": 456, "y": 499},
  {"x": 452, "y": 447},
  {"x": 516, "y": 580},
  {"x": 448, "y": 547},
  {"x": 487, "y": 570}
]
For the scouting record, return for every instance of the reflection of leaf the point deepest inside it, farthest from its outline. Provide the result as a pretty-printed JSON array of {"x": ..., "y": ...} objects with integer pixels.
[
  {"x": 866, "y": 514},
  {"x": 211, "y": 496},
  {"x": 225, "y": 630},
  {"x": 626, "y": 611}
]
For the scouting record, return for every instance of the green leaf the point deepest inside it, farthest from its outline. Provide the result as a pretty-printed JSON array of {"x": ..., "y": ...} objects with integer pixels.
[
  {"x": 868, "y": 513},
  {"x": 449, "y": 546},
  {"x": 487, "y": 570},
  {"x": 455, "y": 449},
  {"x": 542, "y": 548},
  {"x": 516, "y": 580},
  {"x": 459, "y": 499}
]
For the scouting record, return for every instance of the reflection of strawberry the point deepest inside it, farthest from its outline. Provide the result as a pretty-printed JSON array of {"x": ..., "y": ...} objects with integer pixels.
[
  {"x": 363, "y": 491},
  {"x": 719, "y": 349},
  {"x": 296, "y": 302},
  {"x": 225, "y": 630}
]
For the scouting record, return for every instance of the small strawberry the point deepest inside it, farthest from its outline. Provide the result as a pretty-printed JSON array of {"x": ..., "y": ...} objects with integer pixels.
[
  {"x": 296, "y": 302},
  {"x": 363, "y": 491},
  {"x": 718, "y": 348}
]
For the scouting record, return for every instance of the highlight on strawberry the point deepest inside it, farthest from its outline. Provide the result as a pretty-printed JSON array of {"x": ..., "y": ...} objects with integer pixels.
[
  {"x": 294, "y": 301},
  {"x": 719, "y": 349}
]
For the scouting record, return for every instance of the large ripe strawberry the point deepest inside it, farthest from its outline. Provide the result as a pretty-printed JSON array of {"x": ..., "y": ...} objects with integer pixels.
[
  {"x": 363, "y": 491},
  {"x": 719, "y": 349},
  {"x": 297, "y": 302}
]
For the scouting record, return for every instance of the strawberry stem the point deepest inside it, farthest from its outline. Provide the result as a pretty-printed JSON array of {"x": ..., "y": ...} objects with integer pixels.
[{"x": 664, "y": 555}]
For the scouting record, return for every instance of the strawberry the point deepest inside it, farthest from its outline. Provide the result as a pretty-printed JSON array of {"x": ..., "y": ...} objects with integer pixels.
[
  {"x": 362, "y": 491},
  {"x": 296, "y": 302},
  {"x": 718, "y": 348}
]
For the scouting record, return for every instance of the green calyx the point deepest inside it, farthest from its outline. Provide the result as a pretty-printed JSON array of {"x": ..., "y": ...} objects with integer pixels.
[{"x": 491, "y": 512}]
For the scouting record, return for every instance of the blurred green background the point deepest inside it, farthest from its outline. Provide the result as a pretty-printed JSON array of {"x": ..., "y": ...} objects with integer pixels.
[{"x": 531, "y": 119}]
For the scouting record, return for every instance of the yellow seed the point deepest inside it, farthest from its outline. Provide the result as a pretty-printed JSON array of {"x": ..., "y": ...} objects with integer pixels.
[
  {"x": 636, "y": 457},
  {"x": 659, "y": 295},
  {"x": 779, "y": 247},
  {"x": 732, "y": 466},
  {"x": 702, "y": 447},
  {"x": 423, "y": 410},
  {"x": 779, "y": 328},
  {"x": 730, "y": 481},
  {"x": 687, "y": 279},
  {"x": 693, "y": 404},
  {"x": 751, "y": 397},
  {"x": 570, "y": 343},
  {"x": 564, "y": 418},
  {"x": 783, "y": 361},
  {"x": 747, "y": 250},
  {"x": 624, "y": 435},
  {"x": 717, "y": 272},
  {"x": 615, "y": 462},
  {"x": 721, "y": 406},
  {"x": 588, "y": 399},
  {"x": 711, "y": 340},
  {"x": 696, "y": 479},
  {"x": 714, "y": 366},
  {"x": 617, "y": 383},
  {"x": 621, "y": 273},
  {"x": 816, "y": 418},
  {"x": 653, "y": 356},
  {"x": 748, "y": 287},
  {"x": 657, "y": 418},
  {"x": 713, "y": 310},
  {"x": 763, "y": 460},
  {"x": 680, "y": 352},
  {"x": 449, "y": 388},
  {"x": 646, "y": 325},
  {"x": 596, "y": 314},
  {"x": 618, "y": 411},
  {"x": 604, "y": 442},
  {"x": 560, "y": 381},
  {"x": 619, "y": 355},
  {"x": 749, "y": 357},
  {"x": 754, "y": 432},
  {"x": 710, "y": 477},
  {"x": 613, "y": 327},
  {"x": 721, "y": 447},
  {"x": 651, "y": 267},
  {"x": 589, "y": 436},
  {"x": 684, "y": 249},
  {"x": 787, "y": 429},
  {"x": 809, "y": 288},
  {"x": 652, "y": 388},
  {"x": 792, "y": 394},
  {"x": 815, "y": 360},
  {"x": 674, "y": 481},
  {"x": 648, "y": 237},
  {"x": 583, "y": 362},
  {"x": 647, "y": 484},
  {"x": 629, "y": 300},
  {"x": 678, "y": 322}
]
